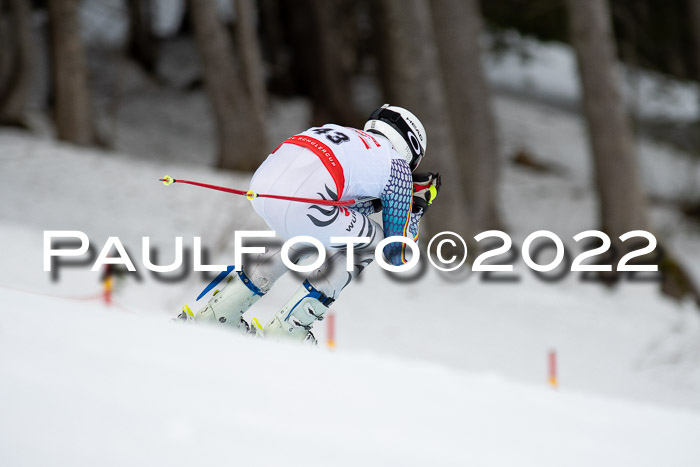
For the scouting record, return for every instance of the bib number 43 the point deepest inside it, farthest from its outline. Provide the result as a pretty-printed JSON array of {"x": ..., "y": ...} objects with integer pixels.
[{"x": 334, "y": 136}]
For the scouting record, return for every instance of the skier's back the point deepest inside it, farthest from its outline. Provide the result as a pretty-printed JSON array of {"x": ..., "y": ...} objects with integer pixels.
[{"x": 336, "y": 163}]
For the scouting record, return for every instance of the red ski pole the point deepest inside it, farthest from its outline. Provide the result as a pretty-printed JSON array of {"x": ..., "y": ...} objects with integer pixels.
[{"x": 251, "y": 195}]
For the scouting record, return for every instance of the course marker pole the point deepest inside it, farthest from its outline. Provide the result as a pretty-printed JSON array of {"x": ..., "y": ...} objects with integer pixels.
[
  {"x": 330, "y": 330},
  {"x": 108, "y": 285},
  {"x": 553, "y": 382}
]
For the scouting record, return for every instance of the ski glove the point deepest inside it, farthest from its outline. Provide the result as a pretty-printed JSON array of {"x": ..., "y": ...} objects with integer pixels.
[{"x": 426, "y": 186}]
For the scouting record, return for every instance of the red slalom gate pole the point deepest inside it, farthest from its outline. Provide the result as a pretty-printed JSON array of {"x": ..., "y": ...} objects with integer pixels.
[
  {"x": 251, "y": 195},
  {"x": 553, "y": 382}
]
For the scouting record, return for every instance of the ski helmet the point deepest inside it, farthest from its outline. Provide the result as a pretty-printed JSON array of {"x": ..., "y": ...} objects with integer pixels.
[{"x": 403, "y": 130}]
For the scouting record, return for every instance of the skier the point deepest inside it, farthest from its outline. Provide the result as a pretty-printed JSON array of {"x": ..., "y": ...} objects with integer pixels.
[{"x": 330, "y": 162}]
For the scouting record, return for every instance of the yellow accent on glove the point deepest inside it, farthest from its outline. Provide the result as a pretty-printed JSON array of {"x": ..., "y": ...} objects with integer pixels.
[{"x": 433, "y": 194}]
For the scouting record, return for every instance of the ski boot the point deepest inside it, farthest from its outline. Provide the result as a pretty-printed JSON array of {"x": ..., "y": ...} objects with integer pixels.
[
  {"x": 226, "y": 306},
  {"x": 295, "y": 320}
]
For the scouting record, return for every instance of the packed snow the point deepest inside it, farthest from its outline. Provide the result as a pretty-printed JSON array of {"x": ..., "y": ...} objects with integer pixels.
[
  {"x": 87, "y": 386},
  {"x": 444, "y": 370}
]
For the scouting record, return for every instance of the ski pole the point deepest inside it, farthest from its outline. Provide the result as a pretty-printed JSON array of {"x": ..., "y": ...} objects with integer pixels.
[{"x": 251, "y": 195}]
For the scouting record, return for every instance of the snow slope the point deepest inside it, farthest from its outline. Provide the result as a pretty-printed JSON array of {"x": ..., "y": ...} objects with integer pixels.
[
  {"x": 630, "y": 343},
  {"x": 84, "y": 386},
  {"x": 442, "y": 370}
]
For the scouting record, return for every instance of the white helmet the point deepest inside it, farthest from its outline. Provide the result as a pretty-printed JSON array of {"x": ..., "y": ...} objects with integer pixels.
[{"x": 403, "y": 130}]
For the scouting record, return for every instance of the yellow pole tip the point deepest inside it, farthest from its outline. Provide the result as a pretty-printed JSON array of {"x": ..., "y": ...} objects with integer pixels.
[
  {"x": 167, "y": 180},
  {"x": 251, "y": 195}
]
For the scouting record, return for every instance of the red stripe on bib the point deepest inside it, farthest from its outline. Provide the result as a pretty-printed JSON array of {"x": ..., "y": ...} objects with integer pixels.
[{"x": 327, "y": 158}]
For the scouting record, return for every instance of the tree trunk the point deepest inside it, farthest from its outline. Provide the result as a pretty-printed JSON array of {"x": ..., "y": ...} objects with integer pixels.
[
  {"x": 142, "y": 46},
  {"x": 321, "y": 57},
  {"x": 6, "y": 52},
  {"x": 330, "y": 79},
  {"x": 621, "y": 195},
  {"x": 241, "y": 137},
  {"x": 694, "y": 9},
  {"x": 19, "y": 53},
  {"x": 276, "y": 47},
  {"x": 410, "y": 60},
  {"x": 251, "y": 57},
  {"x": 71, "y": 95},
  {"x": 457, "y": 25},
  {"x": 184, "y": 29}
]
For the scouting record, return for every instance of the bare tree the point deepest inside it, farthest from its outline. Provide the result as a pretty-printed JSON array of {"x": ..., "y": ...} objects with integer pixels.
[
  {"x": 7, "y": 52},
  {"x": 457, "y": 25},
  {"x": 322, "y": 56},
  {"x": 241, "y": 137},
  {"x": 272, "y": 28},
  {"x": 622, "y": 200},
  {"x": 142, "y": 45},
  {"x": 331, "y": 77},
  {"x": 694, "y": 9},
  {"x": 413, "y": 80},
  {"x": 311, "y": 49},
  {"x": 248, "y": 47},
  {"x": 17, "y": 56},
  {"x": 73, "y": 115}
]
